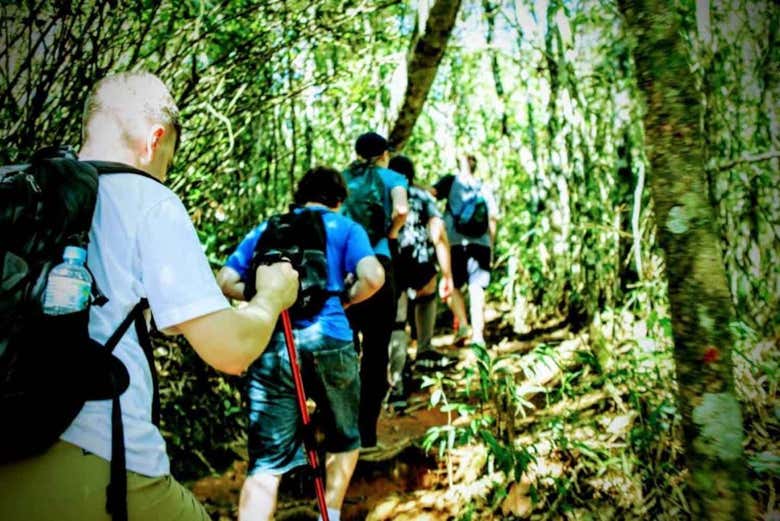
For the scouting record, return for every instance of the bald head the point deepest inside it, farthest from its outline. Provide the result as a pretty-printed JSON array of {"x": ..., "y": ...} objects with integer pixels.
[{"x": 131, "y": 118}]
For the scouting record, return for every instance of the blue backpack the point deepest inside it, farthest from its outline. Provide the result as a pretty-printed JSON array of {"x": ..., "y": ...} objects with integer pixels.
[{"x": 471, "y": 219}]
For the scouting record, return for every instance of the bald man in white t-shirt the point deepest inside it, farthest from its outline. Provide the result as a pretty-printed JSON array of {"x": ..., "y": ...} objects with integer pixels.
[{"x": 142, "y": 245}]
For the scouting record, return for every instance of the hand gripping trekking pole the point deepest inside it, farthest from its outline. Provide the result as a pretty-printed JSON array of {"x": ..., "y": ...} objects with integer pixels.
[{"x": 308, "y": 432}]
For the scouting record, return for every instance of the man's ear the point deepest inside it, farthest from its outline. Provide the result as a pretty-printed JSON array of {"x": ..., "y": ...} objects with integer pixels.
[{"x": 153, "y": 140}]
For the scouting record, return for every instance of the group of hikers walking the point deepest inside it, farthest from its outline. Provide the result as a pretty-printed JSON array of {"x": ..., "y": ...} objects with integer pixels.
[{"x": 358, "y": 253}]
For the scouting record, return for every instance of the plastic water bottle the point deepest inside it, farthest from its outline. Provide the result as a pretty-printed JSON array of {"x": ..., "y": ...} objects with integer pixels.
[{"x": 69, "y": 284}]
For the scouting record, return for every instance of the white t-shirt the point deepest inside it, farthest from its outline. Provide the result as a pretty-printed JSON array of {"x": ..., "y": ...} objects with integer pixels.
[{"x": 142, "y": 244}]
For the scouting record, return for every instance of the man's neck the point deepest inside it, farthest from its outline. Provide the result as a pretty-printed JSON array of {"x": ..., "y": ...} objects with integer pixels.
[{"x": 116, "y": 154}]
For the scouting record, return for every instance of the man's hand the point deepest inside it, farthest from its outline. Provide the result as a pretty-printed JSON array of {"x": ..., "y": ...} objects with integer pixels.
[
  {"x": 231, "y": 339},
  {"x": 445, "y": 287},
  {"x": 277, "y": 284},
  {"x": 230, "y": 283}
]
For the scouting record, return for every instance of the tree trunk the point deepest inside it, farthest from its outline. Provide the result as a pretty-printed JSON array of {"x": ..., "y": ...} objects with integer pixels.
[
  {"x": 423, "y": 63},
  {"x": 698, "y": 293}
]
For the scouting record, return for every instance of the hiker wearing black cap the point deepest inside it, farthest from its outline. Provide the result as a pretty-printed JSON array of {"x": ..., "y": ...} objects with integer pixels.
[
  {"x": 423, "y": 250},
  {"x": 376, "y": 200}
]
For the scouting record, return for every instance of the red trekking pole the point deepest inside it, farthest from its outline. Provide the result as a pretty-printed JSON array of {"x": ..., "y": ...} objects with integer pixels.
[{"x": 308, "y": 433}]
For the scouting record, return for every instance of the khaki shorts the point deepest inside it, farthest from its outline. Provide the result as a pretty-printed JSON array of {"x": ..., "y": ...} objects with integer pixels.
[{"x": 67, "y": 483}]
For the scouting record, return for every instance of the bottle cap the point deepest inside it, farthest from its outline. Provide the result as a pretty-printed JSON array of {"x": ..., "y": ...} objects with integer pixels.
[{"x": 75, "y": 253}]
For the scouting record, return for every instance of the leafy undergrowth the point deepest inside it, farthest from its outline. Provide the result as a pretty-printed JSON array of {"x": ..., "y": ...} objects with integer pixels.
[
  {"x": 582, "y": 427},
  {"x": 562, "y": 425}
]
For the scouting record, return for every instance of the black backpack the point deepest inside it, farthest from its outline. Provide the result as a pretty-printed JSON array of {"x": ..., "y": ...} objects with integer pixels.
[
  {"x": 471, "y": 217},
  {"x": 49, "y": 366},
  {"x": 298, "y": 236},
  {"x": 365, "y": 201}
]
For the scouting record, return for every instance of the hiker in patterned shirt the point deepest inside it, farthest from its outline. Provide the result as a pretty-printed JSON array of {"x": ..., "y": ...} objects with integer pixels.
[{"x": 422, "y": 251}]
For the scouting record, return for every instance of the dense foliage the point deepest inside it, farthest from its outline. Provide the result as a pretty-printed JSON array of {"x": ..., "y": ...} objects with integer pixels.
[{"x": 545, "y": 95}]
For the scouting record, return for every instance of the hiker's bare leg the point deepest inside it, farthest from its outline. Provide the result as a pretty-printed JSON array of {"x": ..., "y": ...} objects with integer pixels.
[
  {"x": 339, "y": 467},
  {"x": 477, "y": 312},
  {"x": 399, "y": 342},
  {"x": 458, "y": 307},
  {"x": 258, "y": 497},
  {"x": 425, "y": 315}
]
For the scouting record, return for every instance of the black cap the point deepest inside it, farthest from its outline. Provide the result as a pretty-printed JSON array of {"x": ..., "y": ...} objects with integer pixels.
[{"x": 371, "y": 145}]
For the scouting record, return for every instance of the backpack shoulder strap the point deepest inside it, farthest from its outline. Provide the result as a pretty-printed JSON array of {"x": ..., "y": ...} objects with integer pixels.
[
  {"x": 120, "y": 331},
  {"x": 136, "y": 316},
  {"x": 110, "y": 167},
  {"x": 116, "y": 491}
]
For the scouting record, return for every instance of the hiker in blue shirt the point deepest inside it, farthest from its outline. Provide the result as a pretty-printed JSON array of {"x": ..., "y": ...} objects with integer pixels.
[
  {"x": 377, "y": 200},
  {"x": 329, "y": 362}
]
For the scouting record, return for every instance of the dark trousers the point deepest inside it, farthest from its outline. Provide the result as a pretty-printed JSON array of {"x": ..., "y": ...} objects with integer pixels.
[{"x": 374, "y": 318}]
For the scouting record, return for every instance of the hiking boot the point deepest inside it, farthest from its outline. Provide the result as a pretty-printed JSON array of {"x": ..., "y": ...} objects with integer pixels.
[{"x": 459, "y": 339}]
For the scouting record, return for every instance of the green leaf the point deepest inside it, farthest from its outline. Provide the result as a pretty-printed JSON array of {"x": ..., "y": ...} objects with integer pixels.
[
  {"x": 436, "y": 397},
  {"x": 766, "y": 463}
]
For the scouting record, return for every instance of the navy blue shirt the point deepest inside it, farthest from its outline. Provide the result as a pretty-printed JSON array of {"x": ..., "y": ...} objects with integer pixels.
[{"x": 347, "y": 245}]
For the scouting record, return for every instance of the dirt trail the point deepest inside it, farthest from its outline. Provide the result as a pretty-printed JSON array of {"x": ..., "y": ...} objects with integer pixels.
[
  {"x": 399, "y": 467},
  {"x": 400, "y": 473}
]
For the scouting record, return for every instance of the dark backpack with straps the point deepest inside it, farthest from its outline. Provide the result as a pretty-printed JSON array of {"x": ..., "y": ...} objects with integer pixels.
[
  {"x": 298, "y": 236},
  {"x": 365, "y": 201},
  {"x": 49, "y": 366}
]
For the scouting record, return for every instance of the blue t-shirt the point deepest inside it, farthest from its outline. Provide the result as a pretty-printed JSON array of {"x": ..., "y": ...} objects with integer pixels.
[
  {"x": 347, "y": 244},
  {"x": 391, "y": 179}
]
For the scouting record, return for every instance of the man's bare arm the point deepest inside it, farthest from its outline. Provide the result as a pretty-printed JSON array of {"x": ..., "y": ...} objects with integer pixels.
[
  {"x": 231, "y": 339},
  {"x": 492, "y": 226},
  {"x": 400, "y": 210},
  {"x": 370, "y": 277},
  {"x": 441, "y": 244}
]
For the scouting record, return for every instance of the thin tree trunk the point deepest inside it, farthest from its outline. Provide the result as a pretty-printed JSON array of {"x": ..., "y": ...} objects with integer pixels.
[
  {"x": 698, "y": 293},
  {"x": 490, "y": 16},
  {"x": 423, "y": 64}
]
